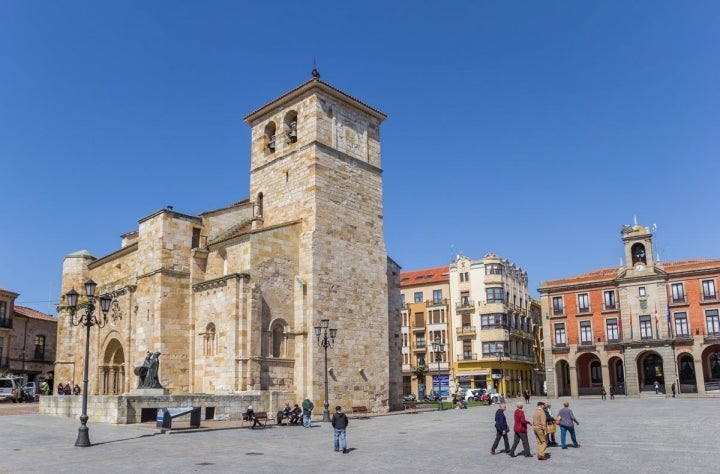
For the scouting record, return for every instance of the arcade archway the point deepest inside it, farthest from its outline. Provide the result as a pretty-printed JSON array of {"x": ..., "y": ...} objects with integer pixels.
[
  {"x": 562, "y": 378},
  {"x": 650, "y": 370},
  {"x": 112, "y": 371}
]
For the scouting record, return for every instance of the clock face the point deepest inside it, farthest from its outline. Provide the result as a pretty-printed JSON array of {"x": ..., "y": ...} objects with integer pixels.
[{"x": 639, "y": 267}]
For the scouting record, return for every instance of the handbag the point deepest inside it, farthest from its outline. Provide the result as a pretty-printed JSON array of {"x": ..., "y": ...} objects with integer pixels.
[{"x": 551, "y": 428}]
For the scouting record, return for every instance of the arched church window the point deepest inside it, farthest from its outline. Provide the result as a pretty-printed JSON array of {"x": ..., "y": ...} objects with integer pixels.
[
  {"x": 290, "y": 126},
  {"x": 209, "y": 340},
  {"x": 278, "y": 340},
  {"x": 270, "y": 136}
]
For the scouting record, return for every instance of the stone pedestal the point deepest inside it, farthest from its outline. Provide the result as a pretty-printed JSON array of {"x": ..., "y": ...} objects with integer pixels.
[{"x": 148, "y": 392}]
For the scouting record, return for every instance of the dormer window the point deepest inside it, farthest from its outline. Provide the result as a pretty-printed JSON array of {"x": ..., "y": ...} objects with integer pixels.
[
  {"x": 290, "y": 126},
  {"x": 270, "y": 137}
]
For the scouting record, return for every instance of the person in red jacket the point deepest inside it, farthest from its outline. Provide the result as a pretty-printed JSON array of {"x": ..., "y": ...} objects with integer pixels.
[{"x": 520, "y": 429}]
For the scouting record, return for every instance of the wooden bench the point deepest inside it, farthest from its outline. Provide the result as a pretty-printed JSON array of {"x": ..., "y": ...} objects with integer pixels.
[
  {"x": 166, "y": 415},
  {"x": 261, "y": 417},
  {"x": 410, "y": 405},
  {"x": 361, "y": 410}
]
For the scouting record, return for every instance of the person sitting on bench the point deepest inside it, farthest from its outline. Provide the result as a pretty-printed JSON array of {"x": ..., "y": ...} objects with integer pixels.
[
  {"x": 250, "y": 416},
  {"x": 284, "y": 413},
  {"x": 295, "y": 415}
]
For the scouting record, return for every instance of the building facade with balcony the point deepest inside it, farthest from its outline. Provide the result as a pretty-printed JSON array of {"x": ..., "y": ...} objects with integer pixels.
[
  {"x": 627, "y": 328},
  {"x": 425, "y": 316},
  {"x": 494, "y": 343},
  {"x": 27, "y": 340}
]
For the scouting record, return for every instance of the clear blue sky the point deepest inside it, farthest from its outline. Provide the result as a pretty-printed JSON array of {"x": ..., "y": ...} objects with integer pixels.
[{"x": 531, "y": 129}]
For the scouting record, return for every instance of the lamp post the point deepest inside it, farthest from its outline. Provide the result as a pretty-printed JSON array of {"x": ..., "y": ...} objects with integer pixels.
[
  {"x": 502, "y": 376},
  {"x": 87, "y": 319},
  {"x": 438, "y": 348},
  {"x": 321, "y": 332}
]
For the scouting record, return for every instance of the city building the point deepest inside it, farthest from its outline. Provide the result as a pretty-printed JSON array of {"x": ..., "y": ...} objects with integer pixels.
[
  {"x": 232, "y": 297},
  {"x": 27, "y": 340},
  {"x": 425, "y": 315},
  {"x": 494, "y": 340},
  {"x": 630, "y": 327}
]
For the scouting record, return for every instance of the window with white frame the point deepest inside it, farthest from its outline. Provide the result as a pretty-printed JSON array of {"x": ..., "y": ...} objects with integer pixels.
[
  {"x": 645, "y": 327},
  {"x": 437, "y": 296},
  {"x": 560, "y": 336},
  {"x": 708, "y": 288},
  {"x": 583, "y": 303},
  {"x": 609, "y": 299},
  {"x": 681, "y": 325},
  {"x": 585, "y": 333},
  {"x": 613, "y": 333},
  {"x": 418, "y": 297},
  {"x": 713, "y": 322},
  {"x": 678, "y": 292},
  {"x": 558, "y": 307}
]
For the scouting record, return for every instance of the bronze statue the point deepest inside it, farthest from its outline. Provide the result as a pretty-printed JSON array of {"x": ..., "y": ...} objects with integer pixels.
[{"x": 148, "y": 372}]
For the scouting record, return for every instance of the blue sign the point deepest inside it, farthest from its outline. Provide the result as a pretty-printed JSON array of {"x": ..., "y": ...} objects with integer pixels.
[{"x": 441, "y": 384}]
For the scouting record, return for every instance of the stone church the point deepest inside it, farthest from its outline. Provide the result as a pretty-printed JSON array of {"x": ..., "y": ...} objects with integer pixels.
[{"x": 231, "y": 297}]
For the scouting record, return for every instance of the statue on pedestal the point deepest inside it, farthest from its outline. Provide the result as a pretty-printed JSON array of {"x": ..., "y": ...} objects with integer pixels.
[{"x": 148, "y": 372}]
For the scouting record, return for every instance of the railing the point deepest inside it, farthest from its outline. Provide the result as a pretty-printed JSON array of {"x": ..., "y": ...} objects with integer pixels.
[
  {"x": 466, "y": 357},
  {"x": 678, "y": 300},
  {"x": 465, "y": 330},
  {"x": 465, "y": 304},
  {"x": 610, "y": 307},
  {"x": 583, "y": 310},
  {"x": 440, "y": 302},
  {"x": 558, "y": 311},
  {"x": 586, "y": 343},
  {"x": 710, "y": 297}
]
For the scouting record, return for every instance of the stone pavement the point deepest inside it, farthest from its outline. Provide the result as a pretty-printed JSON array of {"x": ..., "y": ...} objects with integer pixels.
[{"x": 641, "y": 435}]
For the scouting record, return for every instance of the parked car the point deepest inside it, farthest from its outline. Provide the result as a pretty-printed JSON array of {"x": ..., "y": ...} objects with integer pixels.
[{"x": 7, "y": 386}]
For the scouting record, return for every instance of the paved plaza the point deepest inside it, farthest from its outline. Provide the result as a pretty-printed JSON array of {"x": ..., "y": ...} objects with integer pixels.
[{"x": 625, "y": 434}]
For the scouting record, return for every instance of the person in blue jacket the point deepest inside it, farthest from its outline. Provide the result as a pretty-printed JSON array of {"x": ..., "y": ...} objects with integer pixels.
[{"x": 501, "y": 427}]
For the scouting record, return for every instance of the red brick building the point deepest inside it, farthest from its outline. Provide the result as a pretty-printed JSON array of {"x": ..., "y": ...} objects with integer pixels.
[{"x": 626, "y": 328}]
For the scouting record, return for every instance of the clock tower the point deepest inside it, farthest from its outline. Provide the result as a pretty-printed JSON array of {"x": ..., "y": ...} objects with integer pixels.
[{"x": 637, "y": 241}]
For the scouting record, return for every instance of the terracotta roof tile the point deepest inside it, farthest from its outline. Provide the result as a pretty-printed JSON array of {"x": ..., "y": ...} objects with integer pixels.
[
  {"x": 34, "y": 314},
  {"x": 428, "y": 275}
]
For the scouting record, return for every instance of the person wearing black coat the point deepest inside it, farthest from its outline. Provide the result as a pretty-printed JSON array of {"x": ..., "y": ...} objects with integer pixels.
[{"x": 501, "y": 428}]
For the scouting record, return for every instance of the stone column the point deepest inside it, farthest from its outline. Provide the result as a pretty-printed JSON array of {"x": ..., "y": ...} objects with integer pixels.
[
  {"x": 573, "y": 381},
  {"x": 699, "y": 375}
]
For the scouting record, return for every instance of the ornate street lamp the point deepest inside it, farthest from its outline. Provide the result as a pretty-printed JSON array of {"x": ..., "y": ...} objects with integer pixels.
[
  {"x": 87, "y": 319},
  {"x": 321, "y": 332},
  {"x": 438, "y": 348}
]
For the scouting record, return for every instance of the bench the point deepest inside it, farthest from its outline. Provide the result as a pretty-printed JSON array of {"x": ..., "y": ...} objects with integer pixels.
[
  {"x": 410, "y": 405},
  {"x": 362, "y": 410},
  {"x": 166, "y": 415},
  {"x": 261, "y": 416}
]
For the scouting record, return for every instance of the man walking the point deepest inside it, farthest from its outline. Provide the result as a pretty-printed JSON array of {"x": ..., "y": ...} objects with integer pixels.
[
  {"x": 501, "y": 427},
  {"x": 540, "y": 427},
  {"x": 339, "y": 422},
  {"x": 520, "y": 429},
  {"x": 567, "y": 418},
  {"x": 307, "y": 408}
]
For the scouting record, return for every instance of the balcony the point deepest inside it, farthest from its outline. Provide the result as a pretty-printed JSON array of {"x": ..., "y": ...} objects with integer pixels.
[
  {"x": 610, "y": 307},
  {"x": 468, "y": 357},
  {"x": 678, "y": 301},
  {"x": 586, "y": 346},
  {"x": 465, "y": 304},
  {"x": 420, "y": 348},
  {"x": 560, "y": 348},
  {"x": 439, "y": 302},
  {"x": 466, "y": 331},
  {"x": 417, "y": 328}
]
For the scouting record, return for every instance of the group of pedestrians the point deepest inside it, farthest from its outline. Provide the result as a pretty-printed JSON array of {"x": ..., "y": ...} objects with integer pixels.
[{"x": 543, "y": 425}]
